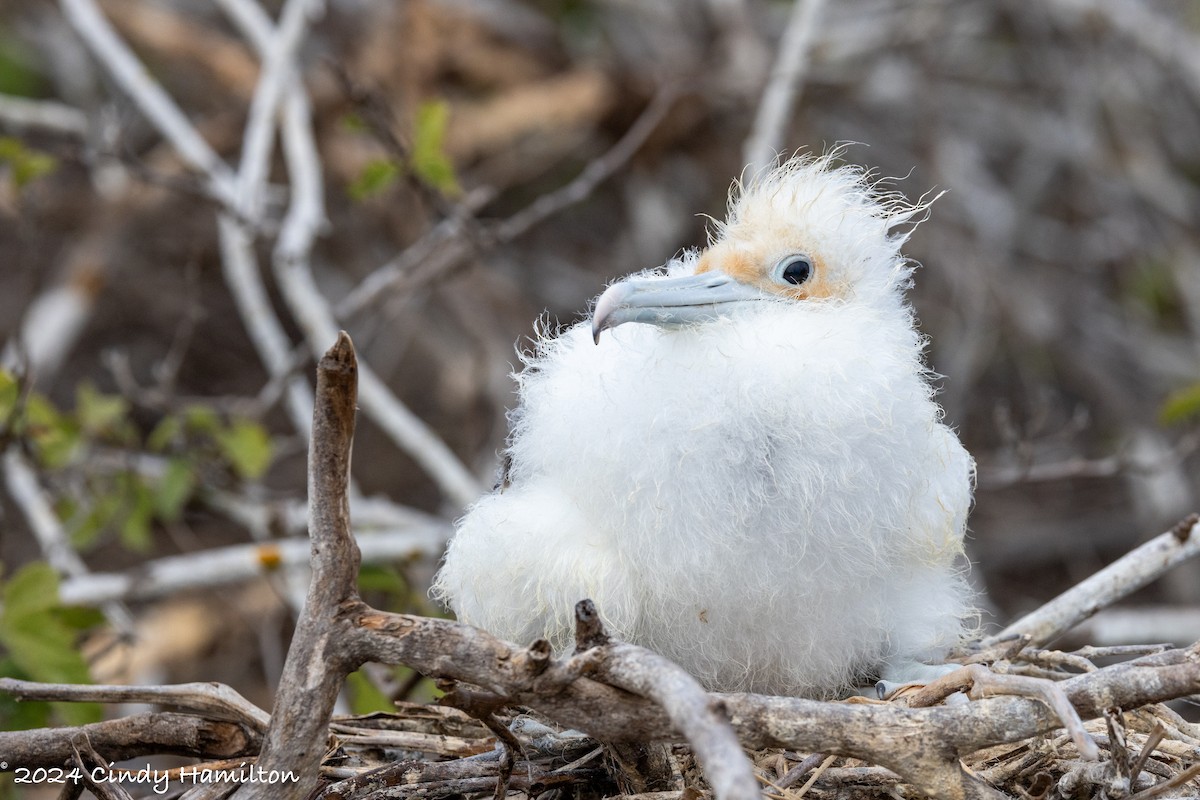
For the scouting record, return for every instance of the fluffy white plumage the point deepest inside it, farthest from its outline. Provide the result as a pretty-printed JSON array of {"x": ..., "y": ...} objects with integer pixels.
[{"x": 757, "y": 484}]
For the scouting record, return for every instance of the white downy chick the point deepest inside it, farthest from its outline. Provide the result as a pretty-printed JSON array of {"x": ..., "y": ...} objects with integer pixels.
[{"x": 755, "y": 483}]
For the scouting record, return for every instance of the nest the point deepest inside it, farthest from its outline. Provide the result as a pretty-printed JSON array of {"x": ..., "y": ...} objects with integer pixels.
[{"x": 442, "y": 752}]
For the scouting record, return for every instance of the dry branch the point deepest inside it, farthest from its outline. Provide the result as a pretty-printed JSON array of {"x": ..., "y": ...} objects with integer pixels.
[
  {"x": 1117, "y": 580},
  {"x": 317, "y": 661},
  {"x": 133, "y": 736},
  {"x": 211, "y": 699},
  {"x": 768, "y": 135}
]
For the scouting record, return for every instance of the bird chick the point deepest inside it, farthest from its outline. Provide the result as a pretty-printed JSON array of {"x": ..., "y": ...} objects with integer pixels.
[{"x": 755, "y": 482}]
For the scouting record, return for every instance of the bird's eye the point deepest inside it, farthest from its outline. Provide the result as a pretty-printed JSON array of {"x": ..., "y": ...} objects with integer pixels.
[{"x": 794, "y": 270}]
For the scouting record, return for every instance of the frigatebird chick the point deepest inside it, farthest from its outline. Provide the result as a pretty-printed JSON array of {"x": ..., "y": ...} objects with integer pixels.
[{"x": 754, "y": 481}]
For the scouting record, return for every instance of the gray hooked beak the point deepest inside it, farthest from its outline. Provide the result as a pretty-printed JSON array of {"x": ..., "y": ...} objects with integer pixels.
[{"x": 669, "y": 302}]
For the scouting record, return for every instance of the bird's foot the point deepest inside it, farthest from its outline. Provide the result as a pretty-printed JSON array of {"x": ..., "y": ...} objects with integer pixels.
[
  {"x": 978, "y": 681},
  {"x": 912, "y": 675}
]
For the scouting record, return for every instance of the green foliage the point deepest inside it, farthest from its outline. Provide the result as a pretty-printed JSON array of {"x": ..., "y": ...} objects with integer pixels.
[
  {"x": 26, "y": 163},
  {"x": 247, "y": 447},
  {"x": 1181, "y": 405},
  {"x": 100, "y": 413},
  {"x": 37, "y": 642},
  {"x": 10, "y": 393},
  {"x": 429, "y": 160},
  {"x": 382, "y": 578},
  {"x": 16, "y": 76},
  {"x": 124, "y": 501},
  {"x": 175, "y": 488},
  {"x": 365, "y": 698},
  {"x": 375, "y": 177}
]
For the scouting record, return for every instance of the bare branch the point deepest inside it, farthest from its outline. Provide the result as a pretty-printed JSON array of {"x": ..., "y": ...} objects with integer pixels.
[
  {"x": 783, "y": 87},
  {"x": 47, "y": 115},
  {"x": 208, "y": 569},
  {"x": 317, "y": 661},
  {"x": 214, "y": 699},
  {"x": 153, "y": 101},
  {"x": 691, "y": 711},
  {"x": 1121, "y": 578},
  {"x": 447, "y": 245},
  {"x": 595, "y": 173},
  {"x": 132, "y": 736},
  {"x": 240, "y": 266},
  {"x": 279, "y": 74}
]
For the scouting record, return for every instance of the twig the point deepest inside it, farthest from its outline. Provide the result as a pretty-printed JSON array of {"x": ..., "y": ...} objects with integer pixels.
[
  {"x": 214, "y": 699},
  {"x": 1139, "y": 763},
  {"x": 406, "y": 429},
  {"x": 151, "y": 99},
  {"x": 1182, "y": 778},
  {"x": 218, "y": 567},
  {"x": 1122, "y": 577},
  {"x": 690, "y": 709},
  {"x": 238, "y": 259},
  {"x": 982, "y": 682},
  {"x": 46, "y": 115},
  {"x": 824, "y": 765},
  {"x": 446, "y": 246},
  {"x": 86, "y": 760},
  {"x": 52, "y": 323},
  {"x": 318, "y": 660},
  {"x": 595, "y": 173},
  {"x": 132, "y": 736},
  {"x": 312, "y": 311},
  {"x": 783, "y": 87},
  {"x": 800, "y": 770},
  {"x": 279, "y": 75}
]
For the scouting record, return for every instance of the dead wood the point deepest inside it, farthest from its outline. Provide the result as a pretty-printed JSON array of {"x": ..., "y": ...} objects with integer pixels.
[{"x": 130, "y": 737}]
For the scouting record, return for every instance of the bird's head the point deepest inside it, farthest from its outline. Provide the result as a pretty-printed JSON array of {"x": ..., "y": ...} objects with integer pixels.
[{"x": 807, "y": 232}]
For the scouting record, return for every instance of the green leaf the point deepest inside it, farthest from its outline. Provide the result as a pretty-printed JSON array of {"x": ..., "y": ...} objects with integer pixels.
[
  {"x": 99, "y": 413},
  {"x": 31, "y": 590},
  {"x": 80, "y": 618},
  {"x": 246, "y": 445},
  {"x": 18, "y": 715},
  {"x": 168, "y": 430},
  {"x": 375, "y": 177},
  {"x": 88, "y": 522},
  {"x": 18, "y": 76},
  {"x": 201, "y": 419},
  {"x": 353, "y": 123},
  {"x": 429, "y": 160},
  {"x": 10, "y": 392},
  {"x": 38, "y": 638},
  {"x": 381, "y": 578},
  {"x": 174, "y": 489},
  {"x": 56, "y": 436},
  {"x": 27, "y": 164},
  {"x": 1181, "y": 405},
  {"x": 365, "y": 698},
  {"x": 139, "y": 515}
]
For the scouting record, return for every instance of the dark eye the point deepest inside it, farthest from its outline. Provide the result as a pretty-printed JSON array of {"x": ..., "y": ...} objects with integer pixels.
[{"x": 796, "y": 270}]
